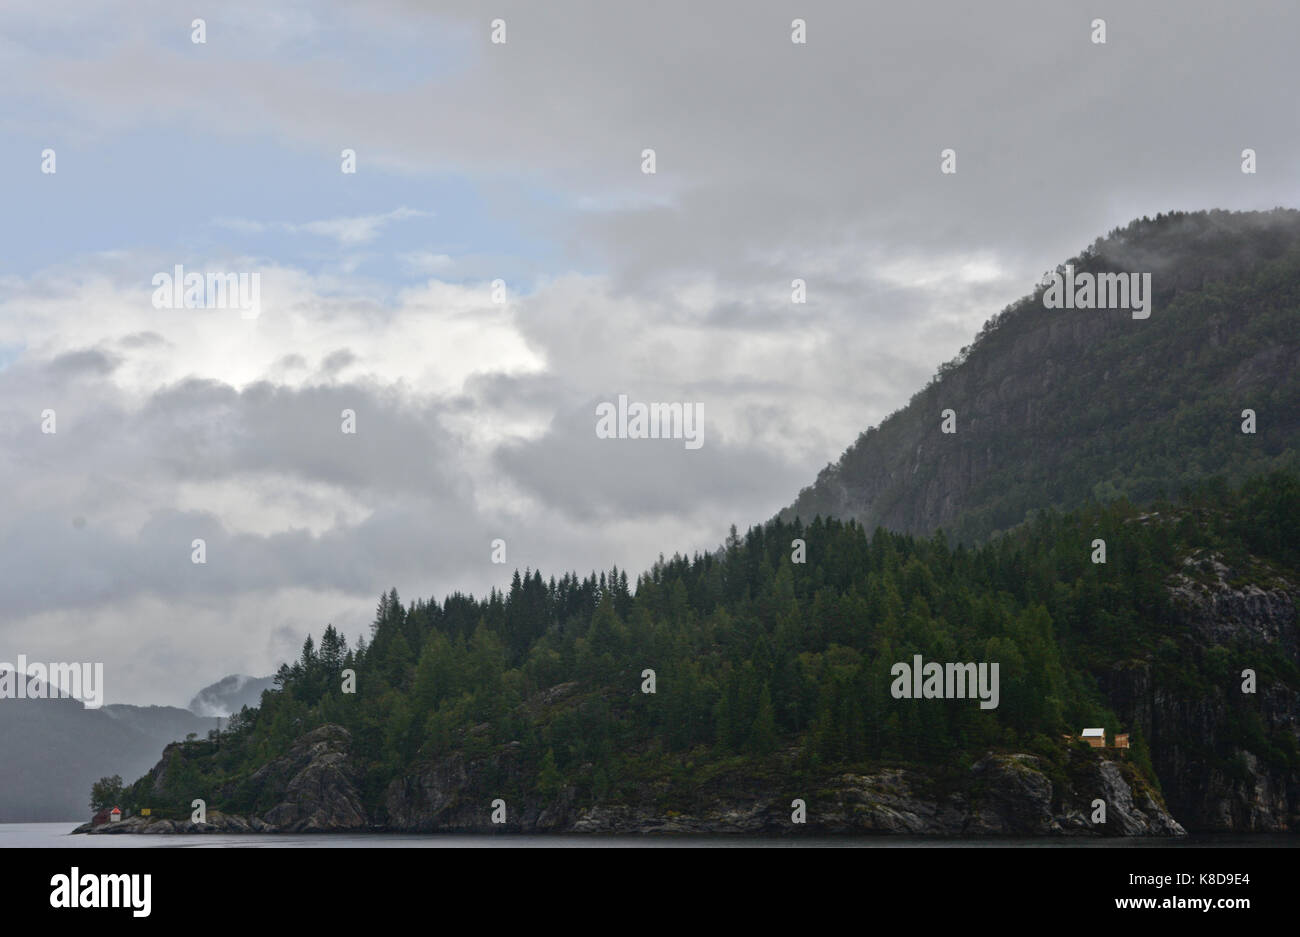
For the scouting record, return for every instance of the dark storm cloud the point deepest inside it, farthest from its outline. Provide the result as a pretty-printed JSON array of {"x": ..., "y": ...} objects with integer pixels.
[
  {"x": 142, "y": 340},
  {"x": 336, "y": 361},
  {"x": 205, "y": 429},
  {"x": 571, "y": 469},
  {"x": 90, "y": 362}
]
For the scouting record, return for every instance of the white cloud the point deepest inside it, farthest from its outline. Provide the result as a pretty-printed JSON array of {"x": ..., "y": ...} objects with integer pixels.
[
  {"x": 347, "y": 231},
  {"x": 427, "y": 262}
]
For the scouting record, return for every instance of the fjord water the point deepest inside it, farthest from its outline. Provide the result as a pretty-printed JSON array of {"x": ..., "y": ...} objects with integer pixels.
[{"x": 57, "y": 835}]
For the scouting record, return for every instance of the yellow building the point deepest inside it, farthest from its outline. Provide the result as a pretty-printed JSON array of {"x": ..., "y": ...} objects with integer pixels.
[{"x": 1097, "y": 738}]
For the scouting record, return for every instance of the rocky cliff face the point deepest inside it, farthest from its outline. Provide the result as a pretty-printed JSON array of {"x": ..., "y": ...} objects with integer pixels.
[
  {"x": 1207, "y": 791},
  {"x": 1002, "y": 795},
  {"x": 1217, "y": 783},
  {"x": 313, "y": 789},
  {"x": 315, "y": 784}
]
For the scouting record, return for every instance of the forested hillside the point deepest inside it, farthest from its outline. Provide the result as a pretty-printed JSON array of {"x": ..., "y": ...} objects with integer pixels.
[
  {"x": 1060, "y": 407},
  {"x": 774, "y": 675}
]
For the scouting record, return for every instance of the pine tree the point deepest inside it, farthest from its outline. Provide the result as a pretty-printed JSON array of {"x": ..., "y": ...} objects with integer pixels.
[
  {"x": 548, "y": 776},
  {"x": 763, "y": 735}
]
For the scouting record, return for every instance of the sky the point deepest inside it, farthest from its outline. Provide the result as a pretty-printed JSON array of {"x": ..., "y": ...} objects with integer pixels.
[{"x": 522, "y": 162}]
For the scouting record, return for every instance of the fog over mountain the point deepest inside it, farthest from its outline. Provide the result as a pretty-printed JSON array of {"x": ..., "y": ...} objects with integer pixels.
[
  {"x": 1056, "y": 408},
  {"x": 229, "y": 695}
]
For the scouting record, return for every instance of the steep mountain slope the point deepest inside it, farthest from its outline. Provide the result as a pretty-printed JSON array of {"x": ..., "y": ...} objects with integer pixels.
[{"x": 1057, "y": 407}]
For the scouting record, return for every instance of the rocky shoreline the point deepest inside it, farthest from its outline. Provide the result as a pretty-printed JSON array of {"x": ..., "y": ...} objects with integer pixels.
[{"x": 1002, "y": 795}]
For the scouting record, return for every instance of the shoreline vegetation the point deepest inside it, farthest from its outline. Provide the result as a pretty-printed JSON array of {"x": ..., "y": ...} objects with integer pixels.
[{"x": 773, "y": 687}]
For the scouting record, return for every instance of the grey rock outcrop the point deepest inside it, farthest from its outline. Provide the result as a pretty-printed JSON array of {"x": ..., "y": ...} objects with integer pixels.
[
  {"x": 1211, "y": 779},
  {"x": 316, "y": 784},
  {"x": 313, "y": 787},
  {"x": 1002, "y": 795}
]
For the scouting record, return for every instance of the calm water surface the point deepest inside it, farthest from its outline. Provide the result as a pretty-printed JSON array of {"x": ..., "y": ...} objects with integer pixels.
[{"x": 56, "y": 835}]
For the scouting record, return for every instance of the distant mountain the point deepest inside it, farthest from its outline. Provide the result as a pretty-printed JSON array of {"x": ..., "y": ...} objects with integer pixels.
[
  {"x": 163, "y": 722},
  {"x": 230, "y": 694},
  {"x": 1061, "y": 407},
  {"x": 51, "y": 751}
]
